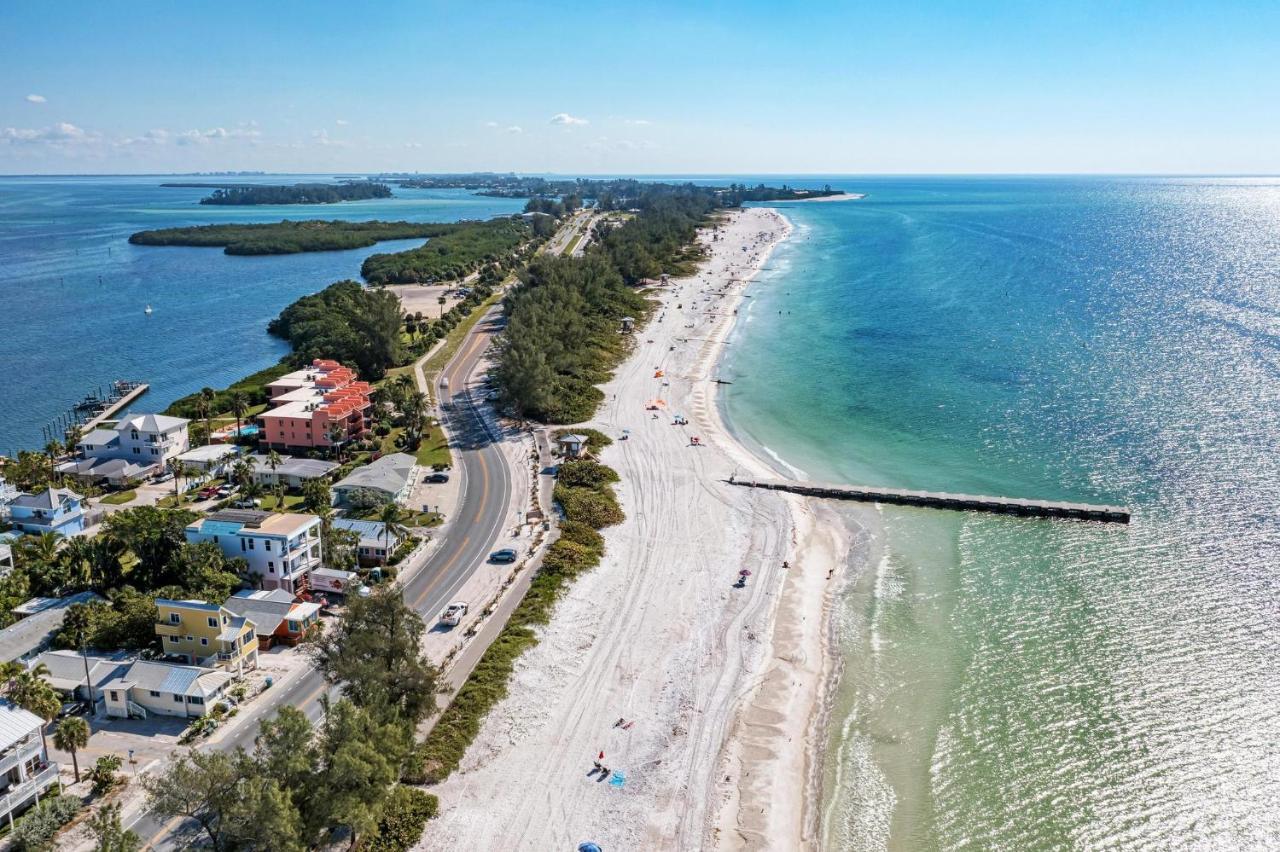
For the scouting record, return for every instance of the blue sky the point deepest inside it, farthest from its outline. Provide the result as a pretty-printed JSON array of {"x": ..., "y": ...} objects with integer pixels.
[{"x": 745, "y": 87}]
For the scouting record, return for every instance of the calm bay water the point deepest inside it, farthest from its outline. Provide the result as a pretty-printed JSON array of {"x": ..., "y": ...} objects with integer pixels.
[
  {"x": 1024, "y": 684},
  {"x": 73, "y": 291}
]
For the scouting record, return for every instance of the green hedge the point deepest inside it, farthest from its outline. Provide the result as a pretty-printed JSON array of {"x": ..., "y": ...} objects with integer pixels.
[
  {"x": 596, "y": 507},
  {"x": 585, "y": 473},
  {"x": 35, "y": 831}
]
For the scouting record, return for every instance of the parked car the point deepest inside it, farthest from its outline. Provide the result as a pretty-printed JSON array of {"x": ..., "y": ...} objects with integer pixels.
[
  {"x": 504, "y": 555},
  {"x": 255, "y": 503},
  {"x": 208, "y": 492},
  {"x": 226, "y": 490},
  {"x": 436, "y": 477},
  {"x": 453, "y": 613},
  {"x": 72, "y": 708},
  {"x": 167, "y": 476}
]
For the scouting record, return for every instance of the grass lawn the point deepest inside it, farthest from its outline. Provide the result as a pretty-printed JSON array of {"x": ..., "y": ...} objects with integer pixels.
[
  {"x": 573, "y": 244},
  {"x": 170, "y": 502},
  {"x": 291, "y": 502},
  {"x": 118, "y": 498},
  {"x": 434, "y": 450}
]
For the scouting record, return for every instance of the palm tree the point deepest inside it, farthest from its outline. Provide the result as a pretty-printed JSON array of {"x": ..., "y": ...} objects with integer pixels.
[
  {"x": 335, "y": 435},
  {"x": 175, "y": 466},
  {"x": 30, "y": 691},
  {"x": 441, "y": 300},
  {"x": 53, "y": 449},
  {"x": 274, "y": 461},
  {"x": 416, "y": 406},
  {"x": 239, "y": 407},
  {"x": 78, "y": 555},
  {"x": 72, "y": 734},
  {"x": 204, "y": 404},
  {"x": 242, "y": 470},
  {"x": 392, "y": 518},
  {"x": 73, "y": 434}
]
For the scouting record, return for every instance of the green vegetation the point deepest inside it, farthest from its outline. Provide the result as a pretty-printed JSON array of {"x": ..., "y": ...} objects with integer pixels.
[
  {"x": 34, "y": 832},
  {"x": 305, "y": 787},
  {"x": 253, "y": 387},
  {"x": 118, "y": 498},
  {"x": 299, "y": 193},
  {"x": 613, "y": 194},
  {"x": 289, "y": 237},
  {"x": 579, "y": 548},
  {"x": 562, "y": 337},
  {"x": 347, "y": 322},
  {"x": 451, "y": 256},
  {"x": 403, "y": 818}
]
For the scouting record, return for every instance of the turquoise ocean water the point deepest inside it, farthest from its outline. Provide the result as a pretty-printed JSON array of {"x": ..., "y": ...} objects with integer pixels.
[
  {"x": 73, "y": 291},
  {"x": 1028, "y": 684}
]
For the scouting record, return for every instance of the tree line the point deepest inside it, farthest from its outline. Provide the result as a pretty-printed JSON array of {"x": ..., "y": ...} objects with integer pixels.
[
  {"x": 347, "y": 322},
  {"x": 290, "y": 237},
  {"x": 450, "y": 256},
  {"x": 298, "y": 193}
]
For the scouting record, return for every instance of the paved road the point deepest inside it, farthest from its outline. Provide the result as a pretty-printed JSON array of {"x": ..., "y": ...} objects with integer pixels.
[{"x": 463, "y": 546}]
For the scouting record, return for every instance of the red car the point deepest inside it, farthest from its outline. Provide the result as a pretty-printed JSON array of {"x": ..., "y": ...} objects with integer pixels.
[{"x": 206, "y": 493}]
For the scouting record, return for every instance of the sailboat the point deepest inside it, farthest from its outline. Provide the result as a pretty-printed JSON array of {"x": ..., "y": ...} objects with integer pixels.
[{"x": 147, "y": 311}]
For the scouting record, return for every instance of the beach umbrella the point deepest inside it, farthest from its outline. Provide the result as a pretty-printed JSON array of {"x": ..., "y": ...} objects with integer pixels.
[{"x": 588, "y": 847}]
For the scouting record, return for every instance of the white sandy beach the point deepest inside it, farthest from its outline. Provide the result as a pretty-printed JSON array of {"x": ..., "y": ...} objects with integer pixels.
[{"x": 721, "y": 685}]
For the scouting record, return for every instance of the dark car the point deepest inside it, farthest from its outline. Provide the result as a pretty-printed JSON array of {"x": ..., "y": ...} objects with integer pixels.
[
  {"x": 504, "y": 555},
  {"x": 437, "y": 477}
]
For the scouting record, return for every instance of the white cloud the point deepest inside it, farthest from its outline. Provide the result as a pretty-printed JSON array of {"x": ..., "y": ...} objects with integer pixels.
[
  {"x": 321, "y": 137},
  {"x": 638, "y": 122},
  {"x": 60, "y": 133},
  {"x": 514, "y": 129},
  {"x": 342, "y": 122},
  {"x": 36, "y": 99},
  {"x": 491, "y": 124},
  {"x": 566, "y": 119}
]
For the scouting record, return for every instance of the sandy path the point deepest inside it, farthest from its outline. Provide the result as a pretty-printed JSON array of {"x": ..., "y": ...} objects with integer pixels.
[{"x": 657, "y": 635}]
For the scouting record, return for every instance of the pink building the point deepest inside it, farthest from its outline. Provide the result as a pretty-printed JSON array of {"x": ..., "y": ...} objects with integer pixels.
[{"x": 307, "y": 404}]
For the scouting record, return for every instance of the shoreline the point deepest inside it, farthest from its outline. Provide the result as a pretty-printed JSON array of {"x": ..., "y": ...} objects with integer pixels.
[{"x": 722, "y": 686}]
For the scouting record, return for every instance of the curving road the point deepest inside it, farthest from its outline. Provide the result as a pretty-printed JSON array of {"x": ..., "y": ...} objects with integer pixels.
[{"x": 464, "y": 545}]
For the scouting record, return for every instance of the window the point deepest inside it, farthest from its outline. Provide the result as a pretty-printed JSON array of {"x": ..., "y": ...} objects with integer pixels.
[
  {"x": 213, "y": 622},
  {"x": 195, "y": 699},
  {"x": 294, "y": 627},
  {"x": 191, "y": 638},
  {"x": 175, "y": 618},
  {"x": 267, "y": 544},
  {"x": 243, "y": 546},
  {"x": 177, "y": 698},
  {"x": 204, "y": 641},
  {"x": 251, "y": 544},
  {"x": 173, "y": 640},
  {"x": 155, "y": 694},
  {"x": 137, "y": 452},
  {"x": 271, "y": 567},
  {"x": 114, "y": 695}
]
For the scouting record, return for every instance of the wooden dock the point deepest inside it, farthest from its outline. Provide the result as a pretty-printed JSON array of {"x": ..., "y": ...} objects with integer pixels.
[
  {"x": 943, "y": 500},
  {"x": 107, "y": 413}
]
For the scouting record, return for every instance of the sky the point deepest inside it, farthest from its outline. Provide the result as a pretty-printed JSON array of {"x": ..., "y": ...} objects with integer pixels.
[{"x": 640, "y": 88}]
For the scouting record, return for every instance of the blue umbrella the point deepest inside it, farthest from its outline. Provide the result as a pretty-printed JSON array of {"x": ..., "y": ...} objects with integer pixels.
[{"x": 588, "y": 847}]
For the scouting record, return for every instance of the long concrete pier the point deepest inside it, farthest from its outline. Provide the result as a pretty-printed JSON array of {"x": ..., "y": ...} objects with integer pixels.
[
  {"x": 943, "y": 500},
  {"x": 107, "y": 413}
]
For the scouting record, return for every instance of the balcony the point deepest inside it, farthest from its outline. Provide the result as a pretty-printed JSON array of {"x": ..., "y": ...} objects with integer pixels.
[
  {"x": 164, "y": 628},
  {"x": 26, "y": 792},
  {"x": 19, "y": 753}
]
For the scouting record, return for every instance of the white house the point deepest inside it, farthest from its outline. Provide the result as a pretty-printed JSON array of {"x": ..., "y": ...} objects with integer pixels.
[
  {"x": 164, "y": 689},
  {"x": 291, "y": 472},
  {"x": 26, "y": 773},
  {"x": 145, "y": 439},
  {"x": 281, "y": 548},
  {"x": 391, "y": 477},
  {"x": 377, "y": 544},
  {"x": 211, "y": 459}
]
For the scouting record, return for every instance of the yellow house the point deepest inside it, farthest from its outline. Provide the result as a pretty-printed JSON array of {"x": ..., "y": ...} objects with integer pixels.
[{"x": 206, "y": 634}]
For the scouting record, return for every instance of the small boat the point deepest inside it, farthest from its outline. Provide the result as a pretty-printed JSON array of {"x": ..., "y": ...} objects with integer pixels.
[{"x": 147, "y": 310}]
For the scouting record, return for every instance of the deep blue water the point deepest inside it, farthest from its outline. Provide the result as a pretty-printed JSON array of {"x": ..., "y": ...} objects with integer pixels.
[
  {"x": 1030, "y": 684},
  {"x": 73, "y": 291}
]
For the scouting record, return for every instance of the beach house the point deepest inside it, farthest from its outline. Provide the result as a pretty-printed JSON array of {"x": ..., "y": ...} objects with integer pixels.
[
  {"x": 390, "y": 478},
  {"x": 317, "y": 407},
  {"x": 281, "y": 548},
  {"x": 79, "y": 676},
  {"x": 148, "y": 687},
  {"x": 55, "y": 510},
  {"x": 26, "y": 773},
  {"x": 289, "y": 471},
  {"x": 148, "y": 440},
  {"x": 207, "y": 635},
  {"x": 377, "y": 544},
  {"x": 39, "y": 621},
  {"x": 571, "y": 446},
  {"x": 278, "y": 617},
  {"x": 211, "y": 459}
]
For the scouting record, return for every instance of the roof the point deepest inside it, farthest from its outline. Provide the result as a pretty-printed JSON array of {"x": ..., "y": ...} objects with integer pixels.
[
  {"x": 235, "y": 626},
  {"x": 99, "y": 436},
  {"x": 333, "y": 574},
  {"x": 209, "y": 452},
  {"x": 265, "y": 613},
  {"x": 43, "y": 619},
  {"x": 152, "y": 423},
  {"x": 390, "y": 473},
  {"x": 573, "y": 439},
  {"x": 287, "y": 523},
  {"x": 171, "y": 678},
  {"x": 248, "y": 517},
  {"x": 369, "y": 531},
  {"x": 16, "y": 724},
  {"x": 290, "y": 466},
  {"x": 109, "y": 468},
  {"x": 50, "y": 498},
  {"x": 203, "y": 606},
  {"x": 67, "y": 668}
]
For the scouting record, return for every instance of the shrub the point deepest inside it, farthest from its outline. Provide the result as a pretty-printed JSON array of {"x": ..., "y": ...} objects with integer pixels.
[
  {"x": 404, "y": 816},
  {"x": 567, "y": 557},
  {"x": 595, "y": 507},
  {"x": 103, "y": 773},
  {"x": 35, "y": 831},
  {"x": 596, "y": 440},
  {"x": 583, "y": 535},
  {"x": 586, "y": 473}
]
